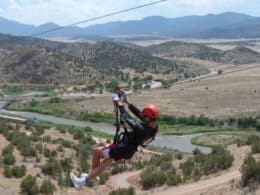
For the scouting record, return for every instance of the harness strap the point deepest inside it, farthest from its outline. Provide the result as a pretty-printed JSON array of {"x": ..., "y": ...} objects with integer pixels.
[
  {"x": 117, "y": 125},
  {"x": 146, "y": 144}
]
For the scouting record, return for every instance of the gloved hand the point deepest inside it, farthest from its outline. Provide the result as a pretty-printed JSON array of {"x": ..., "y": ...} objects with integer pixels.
[
  {"x": 124, "y": 98},
  {"x": 115, "y": 98}
]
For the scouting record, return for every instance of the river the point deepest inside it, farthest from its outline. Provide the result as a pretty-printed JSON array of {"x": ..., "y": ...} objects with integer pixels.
[{"x": 181, "y": 143}]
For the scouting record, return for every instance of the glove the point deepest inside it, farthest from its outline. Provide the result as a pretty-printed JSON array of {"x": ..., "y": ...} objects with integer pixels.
[
  {"x": 124, "y": 98},
  {"x": 115, "y": 97}
]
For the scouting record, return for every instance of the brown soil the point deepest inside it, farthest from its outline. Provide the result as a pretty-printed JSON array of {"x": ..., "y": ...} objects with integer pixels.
[
  {"x": 224, "y": 182},
  {"x": 232, "y": 94}
]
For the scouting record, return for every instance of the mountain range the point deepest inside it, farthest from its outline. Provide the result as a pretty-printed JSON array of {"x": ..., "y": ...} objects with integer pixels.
[{"x": 225, "y": 25}]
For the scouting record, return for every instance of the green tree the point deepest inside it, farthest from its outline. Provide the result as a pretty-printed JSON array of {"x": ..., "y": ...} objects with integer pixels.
[{"x": 220, "y": 72}]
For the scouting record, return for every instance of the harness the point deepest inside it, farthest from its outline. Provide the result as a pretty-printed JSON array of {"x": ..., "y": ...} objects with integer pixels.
[
  {"x": 126, "y": 134},
  {"x": 120, "y": 135}
]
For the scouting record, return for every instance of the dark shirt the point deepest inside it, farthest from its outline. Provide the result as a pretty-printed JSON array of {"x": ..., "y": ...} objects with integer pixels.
[{"x": 141, "y": 130}]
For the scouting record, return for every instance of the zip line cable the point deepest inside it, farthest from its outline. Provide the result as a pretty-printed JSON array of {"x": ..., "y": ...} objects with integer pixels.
[{"x": 99, "y": 17}]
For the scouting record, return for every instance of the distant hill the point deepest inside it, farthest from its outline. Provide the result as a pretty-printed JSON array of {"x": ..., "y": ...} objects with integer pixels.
[
  {"x": 225, "y": 25},
  {"x": 33, "y": 60},
  {"x": 238, "y": 55},
  {"x": 245, "y": 29},
  {"x": 42, "y": 66},
  {"x": 183, "y": 49}
]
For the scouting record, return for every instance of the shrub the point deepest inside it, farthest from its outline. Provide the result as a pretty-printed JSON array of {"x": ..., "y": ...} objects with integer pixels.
[
  {"x": 220, "y": 72},
  {"x": 39, "y": 129},
  {"x": 84, "y": 164},
  {"x": 8, "y": 149},
  {"x": 55, "y": 100},
  {"x": 22, "y": 143},
  {"x": 168, "y": 119},
  {"x": 34, "y": 103},
  {"x": 251, "y": 139},
  {"x": 246, "y": 122},
  {"x": 202, "y": 120},
  {"x": 63, "y": 131},
  {"x": 103, "y": 178},
  {"x": 52, "y": 167},
  {"x": 258, "y": 125},
  {"x": 152, "y": 177},
  {"x": 53, "y": 153},
  {"x": 118, "y": 168},
  {"x": 19, "y": 171},
  {"x": 179, "y": 155},
  {"x": 172, "y": 177},
  {"x": 123, "y": 191},
  {"x": 206, "y": 164},
  {"x": 8, "y": 171},
  {"x": 255, "y": 147},
  {"x": 66, "y": 144},
  {"x": 166, "y": 165},
  {"x": 250, "y": 171},
  {"x": 29, "y": 185},
  {"x": 187, "y": 168},
  {"x": 46, "y": 152},
  {"x": 78, "y": 135},
  {"x": 47, "y": 187},
  {"x": 60, "y": 148},
  {"x": 46, "y": 139},
  {"x": 66, "y": 164},
  {"x": 9, "y": 159},
  {"x": 39, "y": 147}
]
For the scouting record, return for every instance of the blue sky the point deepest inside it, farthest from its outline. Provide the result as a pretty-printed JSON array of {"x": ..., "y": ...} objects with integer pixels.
[{"x": 68, "y": 11}]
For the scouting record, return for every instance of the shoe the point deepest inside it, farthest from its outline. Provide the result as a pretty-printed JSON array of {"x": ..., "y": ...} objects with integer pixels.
[
  {"x": 78, "y": 182},
  {"x": 86, "y": 175},
  {"x": 83, "y": 175}
]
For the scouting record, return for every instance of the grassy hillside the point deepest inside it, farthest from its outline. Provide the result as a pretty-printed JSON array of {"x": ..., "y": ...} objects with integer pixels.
[
  {"x": 39, "y": 61},
  {"x": 182, "y": 49},
  {"x": 238, "y": 55},
  {"x": 42, "y": 66}
]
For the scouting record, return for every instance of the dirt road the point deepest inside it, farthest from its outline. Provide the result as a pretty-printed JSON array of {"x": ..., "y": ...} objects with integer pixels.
[
  {"x": 197, "y": 187},
  {"x": 121, "y": 180},
  {"x": 211, "y": 184}
]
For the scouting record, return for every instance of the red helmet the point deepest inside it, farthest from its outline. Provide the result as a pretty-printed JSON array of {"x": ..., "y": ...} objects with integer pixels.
[{"x": 151, "y": 111}]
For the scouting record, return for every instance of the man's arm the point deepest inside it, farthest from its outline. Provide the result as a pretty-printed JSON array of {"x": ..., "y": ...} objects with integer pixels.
[
  {"x": 129, "y": 120},
  {"x": 135, "y": 111}
]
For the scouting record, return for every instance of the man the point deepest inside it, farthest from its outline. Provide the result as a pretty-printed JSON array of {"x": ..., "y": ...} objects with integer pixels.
[{"x": 126, "y": 147}]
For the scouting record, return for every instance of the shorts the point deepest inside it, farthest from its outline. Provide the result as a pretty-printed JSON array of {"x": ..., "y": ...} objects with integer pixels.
[
  {"x": 106, "y": 151},
  {"x": 118, "y": 151}
]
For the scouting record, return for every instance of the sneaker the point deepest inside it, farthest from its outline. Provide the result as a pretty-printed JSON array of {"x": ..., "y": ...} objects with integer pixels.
[
  {"x": 78, "y": 182},
  {"x": 83, "y": 175},
  {"x": 86, "y": 175}
]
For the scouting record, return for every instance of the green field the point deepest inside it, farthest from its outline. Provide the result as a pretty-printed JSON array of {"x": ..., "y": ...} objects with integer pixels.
[
  {"x": 222, "y": 138},
  {"x": 184, "y": 129},
  {"x": 13, "y": 91}
]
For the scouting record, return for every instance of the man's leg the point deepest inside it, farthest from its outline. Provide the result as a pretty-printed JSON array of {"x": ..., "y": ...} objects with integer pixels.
[
  {"x": 100, "y": 168},
  {"x": 97, "y": 154}
]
